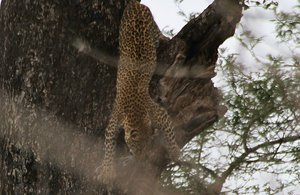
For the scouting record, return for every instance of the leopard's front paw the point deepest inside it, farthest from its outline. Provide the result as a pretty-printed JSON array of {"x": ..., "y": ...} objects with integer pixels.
[
  {"x": 106, "y": 174},
  {"x": 174, "y": 153}
]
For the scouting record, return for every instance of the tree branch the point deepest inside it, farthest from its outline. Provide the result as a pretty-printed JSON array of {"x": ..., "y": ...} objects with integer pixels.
[
  {"x": 239, "y": 160},
  {"x": 192, "y": 100}
]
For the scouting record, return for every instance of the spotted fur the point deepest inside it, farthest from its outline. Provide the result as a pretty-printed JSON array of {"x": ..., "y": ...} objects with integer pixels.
[{"x": 133, "y": 109}]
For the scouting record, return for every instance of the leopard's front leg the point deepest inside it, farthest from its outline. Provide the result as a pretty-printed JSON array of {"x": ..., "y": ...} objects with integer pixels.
[{"x": 106, "y": 173}]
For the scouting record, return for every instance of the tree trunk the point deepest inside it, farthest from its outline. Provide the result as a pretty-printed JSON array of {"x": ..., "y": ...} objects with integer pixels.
[{"x": 56, "y": 99}]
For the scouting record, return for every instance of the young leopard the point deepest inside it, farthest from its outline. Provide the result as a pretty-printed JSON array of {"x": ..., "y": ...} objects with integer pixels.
[{"x": 133, "y": 109}]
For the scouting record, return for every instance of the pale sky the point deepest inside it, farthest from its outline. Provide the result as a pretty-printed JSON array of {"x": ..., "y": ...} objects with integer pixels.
[{"x": 166, "y": 12}]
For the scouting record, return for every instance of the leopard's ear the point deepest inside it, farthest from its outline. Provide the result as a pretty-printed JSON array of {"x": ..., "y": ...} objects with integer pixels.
[{"x": 134, "y": 134}]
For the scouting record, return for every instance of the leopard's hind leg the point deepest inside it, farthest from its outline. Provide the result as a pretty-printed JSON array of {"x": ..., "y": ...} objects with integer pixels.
[{"x": 161, "y": 120}]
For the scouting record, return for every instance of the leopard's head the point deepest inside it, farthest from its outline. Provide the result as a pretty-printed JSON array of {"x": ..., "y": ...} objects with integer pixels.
[{"x": 138, "y": 137}]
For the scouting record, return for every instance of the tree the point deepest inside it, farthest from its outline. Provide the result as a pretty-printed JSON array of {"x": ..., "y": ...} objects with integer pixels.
[
  {"x": 55, "y": 100},
  {"x": 260, "y": 132}
]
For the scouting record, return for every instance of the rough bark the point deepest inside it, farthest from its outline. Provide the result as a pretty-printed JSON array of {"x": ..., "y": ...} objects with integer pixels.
[{"x": 55, "y": 101}]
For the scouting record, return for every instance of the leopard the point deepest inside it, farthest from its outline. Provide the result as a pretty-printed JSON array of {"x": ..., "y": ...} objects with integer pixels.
[{"x": 133, "y": 108}]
